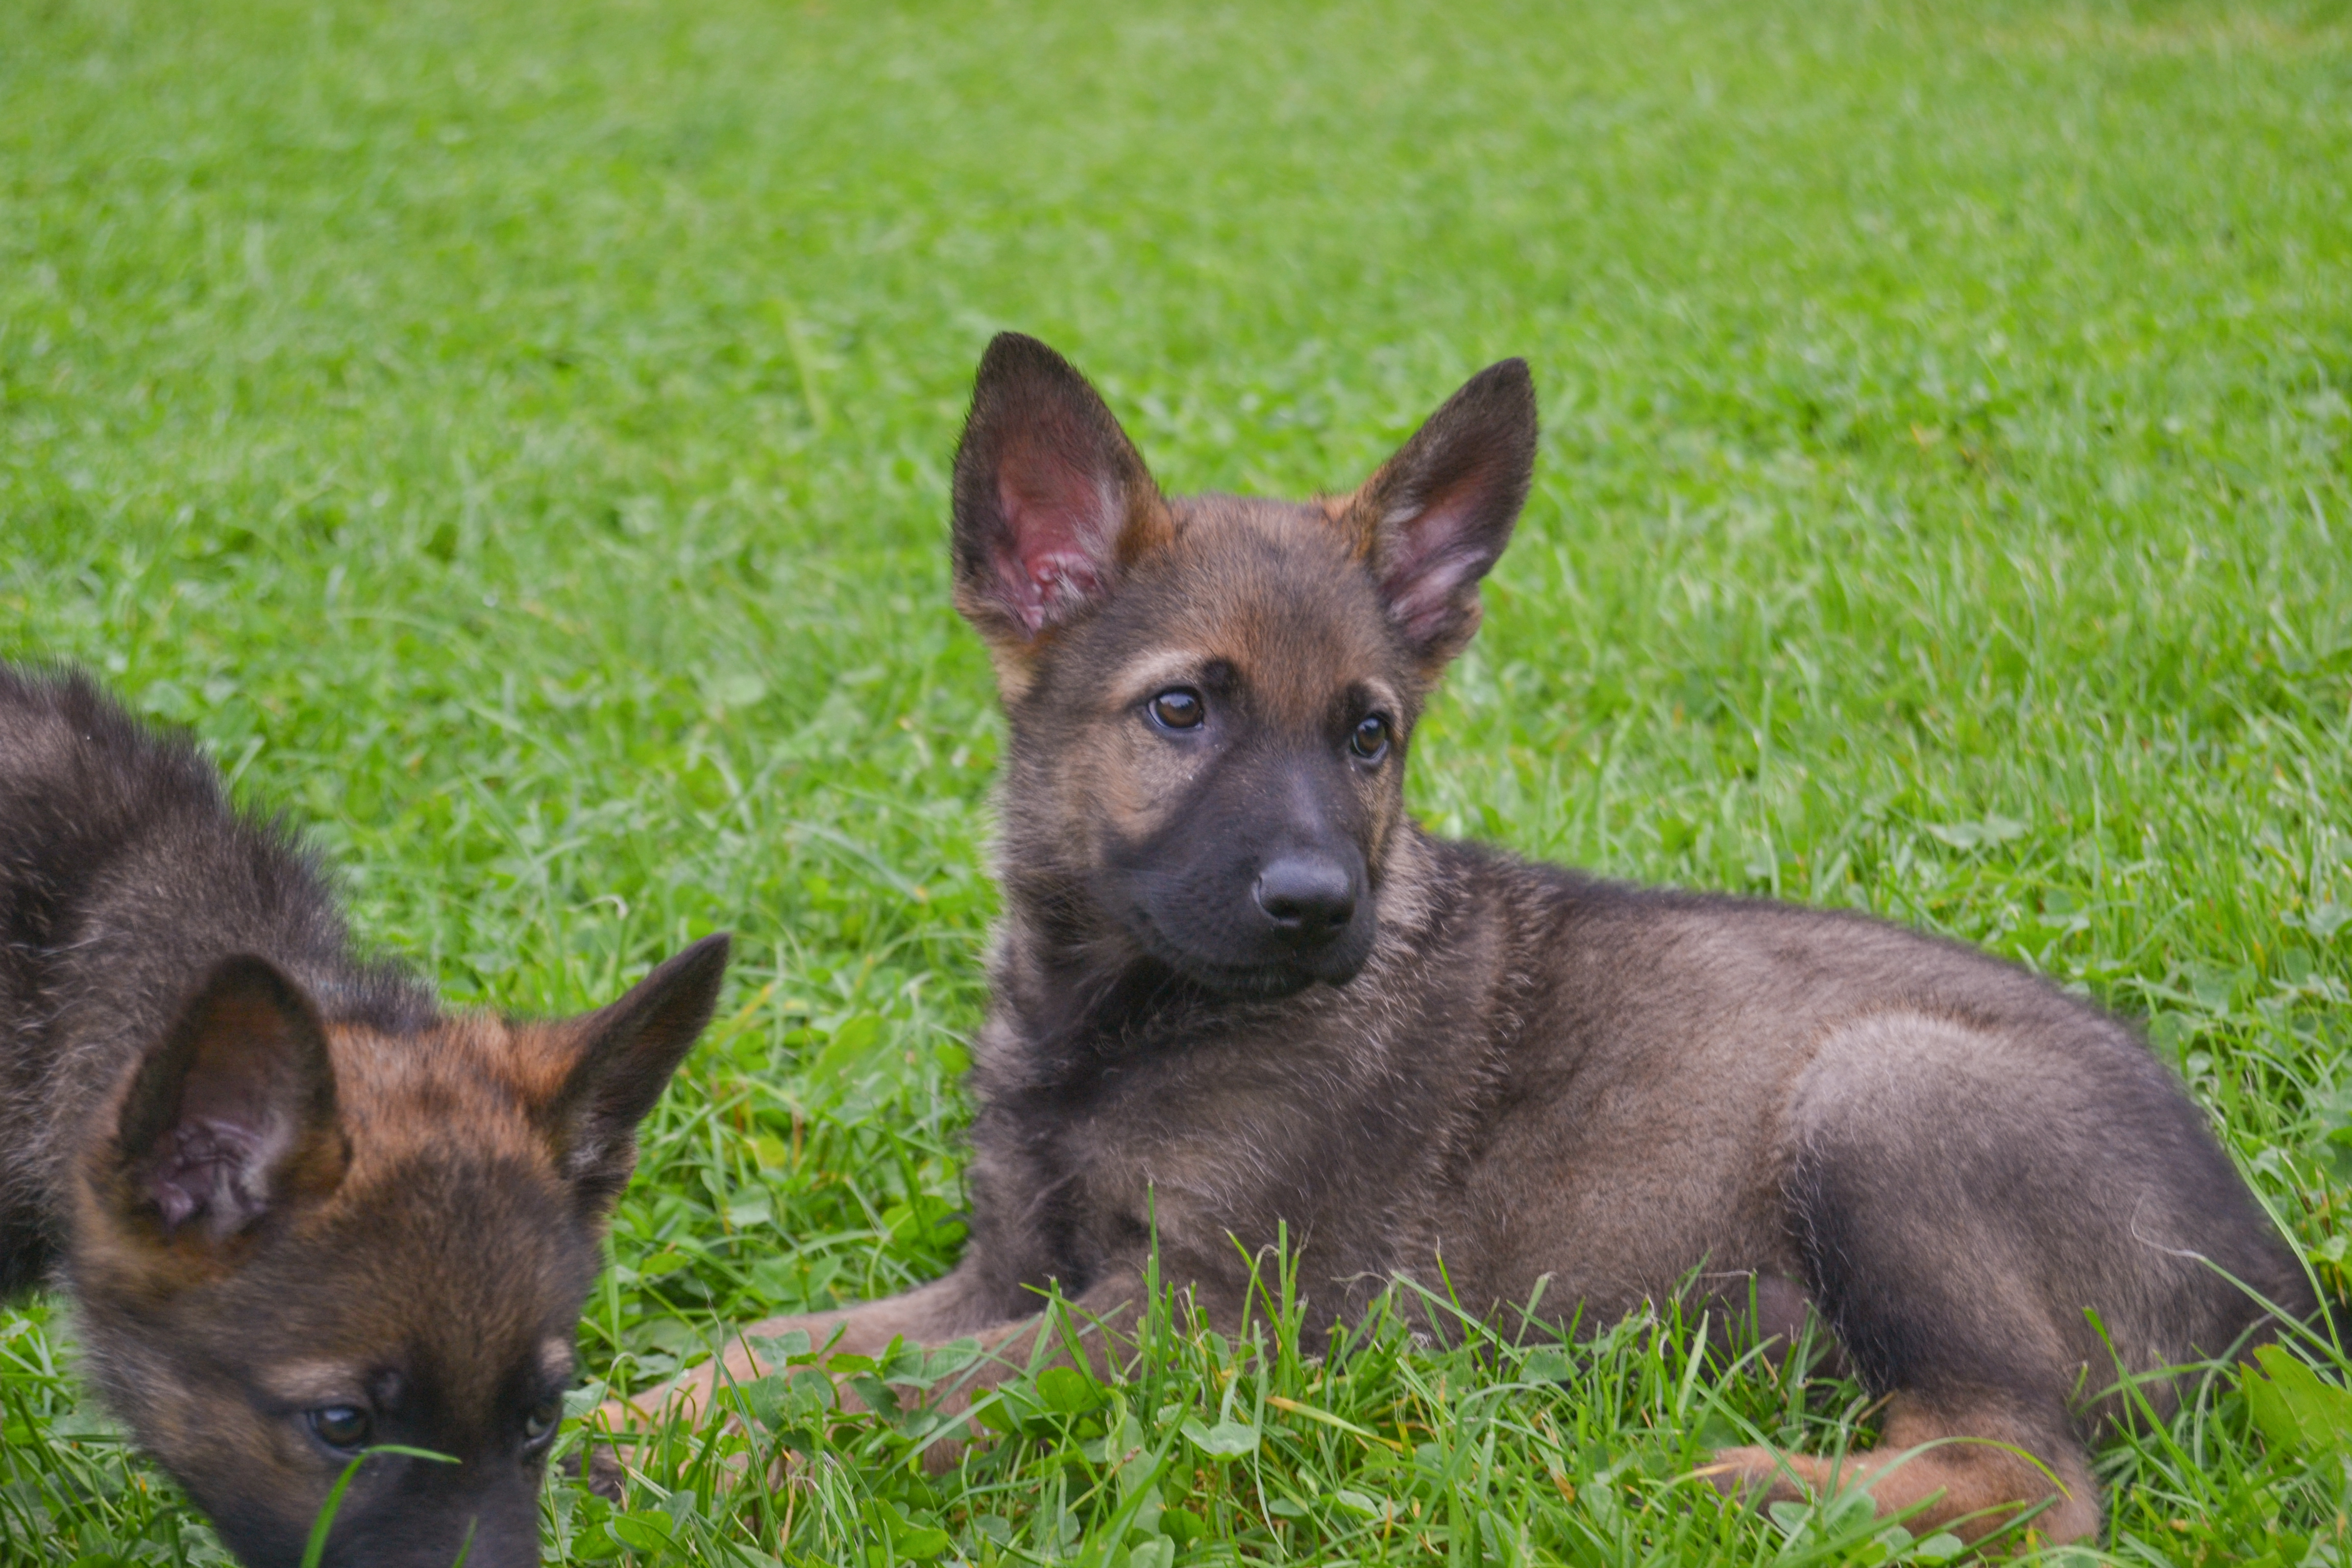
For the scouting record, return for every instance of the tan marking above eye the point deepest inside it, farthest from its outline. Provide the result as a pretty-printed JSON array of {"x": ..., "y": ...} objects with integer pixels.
[
  {"x": 1383, "y": 701},
  {"x": 1155, "y": 671},
  {"x": 314, "y": 1384}
]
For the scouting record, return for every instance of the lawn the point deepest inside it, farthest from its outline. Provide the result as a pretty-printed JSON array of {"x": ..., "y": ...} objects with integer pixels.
[{"x": 514, "y": 438}]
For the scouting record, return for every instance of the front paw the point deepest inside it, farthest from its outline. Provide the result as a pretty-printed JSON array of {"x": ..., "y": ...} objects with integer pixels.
[{"x": 600, "y": 1471}]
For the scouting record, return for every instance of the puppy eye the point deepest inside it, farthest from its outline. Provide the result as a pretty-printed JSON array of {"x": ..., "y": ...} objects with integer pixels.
[
  {"x": 540, "y": 1423},
  {"x": 1370, "y": 741},
  {"x": 341, "y": 1425},
  {"x": 1178, "y": 708}
]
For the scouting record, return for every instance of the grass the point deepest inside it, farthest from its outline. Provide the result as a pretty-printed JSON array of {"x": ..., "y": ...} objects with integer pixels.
[{"x": 514, "y": 438}]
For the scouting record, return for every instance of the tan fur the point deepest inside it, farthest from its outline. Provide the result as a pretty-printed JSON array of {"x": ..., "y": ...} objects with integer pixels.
[{"x": 1974, "y": 1470}]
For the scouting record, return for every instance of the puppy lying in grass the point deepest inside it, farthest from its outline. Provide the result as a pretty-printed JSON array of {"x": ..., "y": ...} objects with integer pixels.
[
  {"x": 1236, "y": 989},
  {"x": 301, "y": 1211}
]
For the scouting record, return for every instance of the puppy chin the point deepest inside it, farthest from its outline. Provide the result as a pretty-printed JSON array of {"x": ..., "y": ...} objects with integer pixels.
[
  {"x": 1267, "y": 980},
  {"x": 1270, "y": 983}
]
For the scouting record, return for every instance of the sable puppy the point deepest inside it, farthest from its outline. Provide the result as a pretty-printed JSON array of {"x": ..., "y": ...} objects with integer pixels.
[
  {"x": 1233, "y": 980},
  {"x": 300, "y": 1210}
]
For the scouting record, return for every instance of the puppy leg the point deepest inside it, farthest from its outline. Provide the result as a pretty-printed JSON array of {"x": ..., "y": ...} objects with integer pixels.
[
  {"x": 1773, "y": 1314},
  {"x": 932, "y": 1314},
  {"x": 928, "y": 1314},
  {"x": 1975, "y": 1464},
  {"x": 1951, "y": 1233}
]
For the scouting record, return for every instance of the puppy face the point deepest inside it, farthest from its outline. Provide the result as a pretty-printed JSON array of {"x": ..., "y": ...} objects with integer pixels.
[
  {"x": 1211, "y": 697},
  {"x": 1228, "y": 741},
  {"x": 299, "y": 1241},
  {"x": 432, "y": 1307}
]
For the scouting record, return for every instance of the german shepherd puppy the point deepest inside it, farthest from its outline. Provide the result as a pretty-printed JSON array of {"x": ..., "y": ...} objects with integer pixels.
[
  {"x": 1236, "y": 987},
  {"x": 301, "y": 1210}
]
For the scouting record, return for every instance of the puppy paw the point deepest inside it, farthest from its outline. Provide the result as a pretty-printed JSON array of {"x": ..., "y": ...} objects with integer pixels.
[
  {"x": 1758, "y": 1476},
  {"x": 601, "y": 1473}
]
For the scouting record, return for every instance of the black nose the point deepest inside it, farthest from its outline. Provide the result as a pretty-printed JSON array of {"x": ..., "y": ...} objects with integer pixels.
[{"x": 1310, "y": 899}]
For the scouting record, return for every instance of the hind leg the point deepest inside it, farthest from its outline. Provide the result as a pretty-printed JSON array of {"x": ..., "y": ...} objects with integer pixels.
[
  {"x": 1972, "y": 1466},
  {"x": 1952, "y": 1225}
]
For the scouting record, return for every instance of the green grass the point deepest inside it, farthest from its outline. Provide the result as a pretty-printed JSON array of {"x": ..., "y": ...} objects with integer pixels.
[{"x": 515, "y": 438}]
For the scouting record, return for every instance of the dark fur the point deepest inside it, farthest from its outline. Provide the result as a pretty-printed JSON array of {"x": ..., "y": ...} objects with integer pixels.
[
  {"x": 1533, "y": 1077},
  {"x": 275, "y": 1179}
]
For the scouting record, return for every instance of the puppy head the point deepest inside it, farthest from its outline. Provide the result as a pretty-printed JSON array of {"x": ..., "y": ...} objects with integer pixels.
[
  {"x": 297, "y": 1240},
  {"x": 1211, "y": 697}
]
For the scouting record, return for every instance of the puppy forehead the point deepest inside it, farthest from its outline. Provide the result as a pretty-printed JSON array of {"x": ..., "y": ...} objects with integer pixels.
[
  {"x": 447, "y": 1247},
  {"x": 1305, "y": 690},
  {"x": 1269, "y": 590},
  {"x": 462, "y": 1332},
  {"x": 473, "y": 1383},
  {"x": 316, "y": 1381},
  {"x": 472, "y": 1083}
]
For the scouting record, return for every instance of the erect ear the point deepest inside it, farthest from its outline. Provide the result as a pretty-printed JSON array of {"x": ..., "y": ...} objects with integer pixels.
[
  {"x": 1436, "y": 516},
  {"x": 624, "y": 1055},
  {"x": 232, "y": 1117},
  {"x": 1050, "y": 499}
]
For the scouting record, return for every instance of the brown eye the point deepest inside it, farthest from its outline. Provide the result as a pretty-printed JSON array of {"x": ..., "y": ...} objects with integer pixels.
[
  {"x": 341, "y": 1425},
  {"x": 1178, "y": 708},
  {"x": 1370, "y": 741},
  {"x": 541, "y": 1421}
]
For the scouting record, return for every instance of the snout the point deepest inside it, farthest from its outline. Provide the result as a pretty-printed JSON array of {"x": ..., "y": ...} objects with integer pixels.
[
  {"x": 1306, "y": 899},
  {"x": 1261, "y": 888},
  {"x": 498, "y": 1535},
  {"x": 394, "y": 1526}
]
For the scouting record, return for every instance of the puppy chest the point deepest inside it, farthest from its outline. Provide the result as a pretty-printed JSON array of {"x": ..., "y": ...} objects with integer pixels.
[{"x": 1238, "y": 1170}]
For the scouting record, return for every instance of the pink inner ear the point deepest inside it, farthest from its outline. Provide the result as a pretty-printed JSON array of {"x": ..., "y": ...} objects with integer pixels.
[
  {"x": 210, "y": 1151},
  {"x": 1060, "y": 525},
  {"x": 215, "y": 1168},
  {"x": 1435, "y": 553}
]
